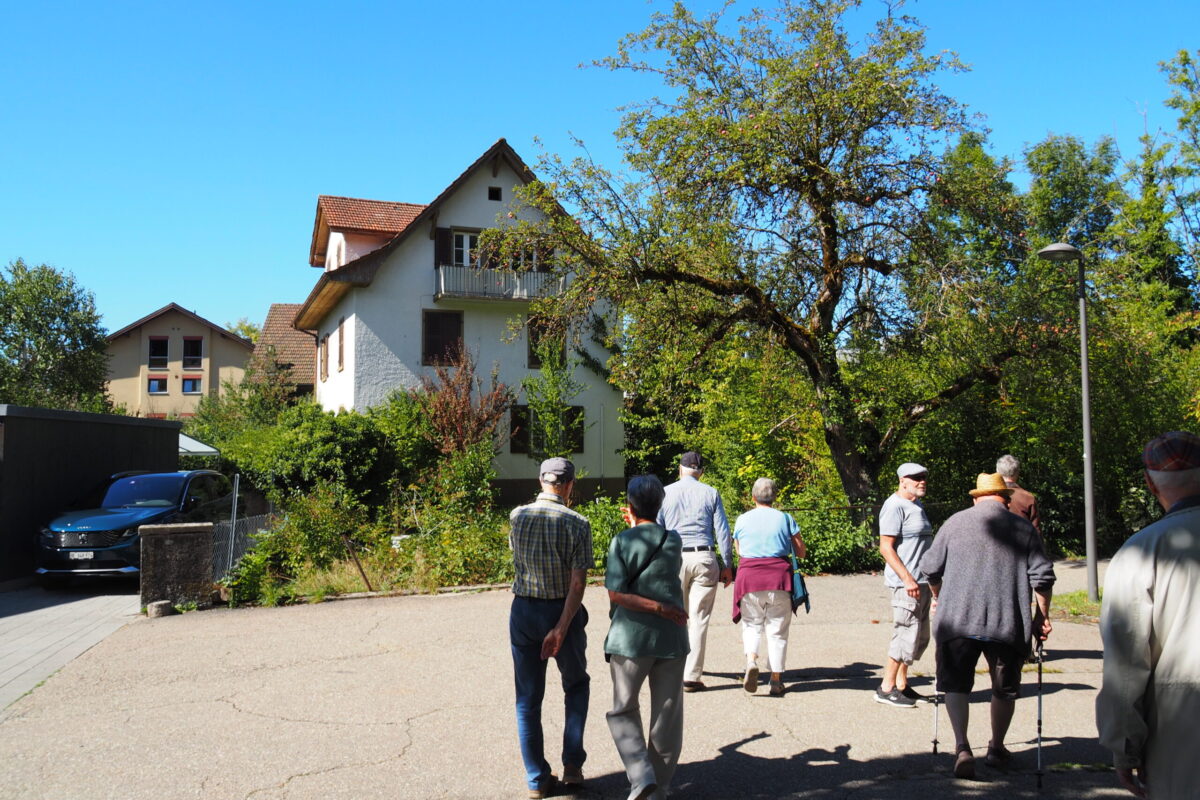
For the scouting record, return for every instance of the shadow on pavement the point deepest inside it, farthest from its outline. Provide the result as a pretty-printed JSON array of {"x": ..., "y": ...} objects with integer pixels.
[
  {"x": 1073, "y": 768},
  {"x": 36, "y": 598}
]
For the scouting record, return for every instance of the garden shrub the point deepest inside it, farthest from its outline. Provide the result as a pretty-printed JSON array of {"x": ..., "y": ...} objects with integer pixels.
[
  {"x": 835, "y": 544},
  {"x": 457, "y": 551},
  {"x": 308, "y": 447},
  {"x": 605, "y": 515}
]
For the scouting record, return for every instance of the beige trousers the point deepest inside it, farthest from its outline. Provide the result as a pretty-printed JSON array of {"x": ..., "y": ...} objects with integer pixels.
[{"x": 699, "y": 577}]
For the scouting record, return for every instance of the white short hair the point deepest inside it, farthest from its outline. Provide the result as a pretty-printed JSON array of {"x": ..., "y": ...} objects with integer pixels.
[
  {"x": 1008, "y": 466},
  {"x": 692, "y": 471},
  {"x": 764, "y": 491},
  {"x": 1175, "y": 478}
]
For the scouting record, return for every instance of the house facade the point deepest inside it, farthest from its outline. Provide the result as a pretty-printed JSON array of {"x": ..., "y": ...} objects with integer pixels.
[
  {"x": 160, "y": 366},
  {"x": 385, "y": 317}
]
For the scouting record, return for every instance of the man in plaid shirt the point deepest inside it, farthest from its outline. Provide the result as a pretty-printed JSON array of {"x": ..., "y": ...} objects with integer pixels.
[{"x": 552, "y": 551}]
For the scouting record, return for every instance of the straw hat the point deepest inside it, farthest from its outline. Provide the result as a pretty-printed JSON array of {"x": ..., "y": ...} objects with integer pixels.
[{"x": 990, "y": 484}]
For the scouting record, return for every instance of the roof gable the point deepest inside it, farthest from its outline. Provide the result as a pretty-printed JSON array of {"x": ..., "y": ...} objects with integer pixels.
[
  {"x": 293, "y": 348},
  {"x": 190, "y": 315},
  {"x": 332, "y": 286}
]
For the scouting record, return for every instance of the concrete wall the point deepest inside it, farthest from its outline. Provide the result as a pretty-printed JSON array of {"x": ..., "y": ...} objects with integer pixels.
[
  {"x": 224, "y": 359},
  {"x": 383, "y": 324},
  {"x": 49, "y": 459}
]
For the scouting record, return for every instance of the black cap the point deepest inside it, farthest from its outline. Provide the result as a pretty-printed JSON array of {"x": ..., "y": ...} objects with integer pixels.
[{"x": 692, "y": 460}]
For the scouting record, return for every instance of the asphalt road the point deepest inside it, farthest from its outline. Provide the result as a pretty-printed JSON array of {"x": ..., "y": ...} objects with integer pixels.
[{"x": 411, "y": 697}]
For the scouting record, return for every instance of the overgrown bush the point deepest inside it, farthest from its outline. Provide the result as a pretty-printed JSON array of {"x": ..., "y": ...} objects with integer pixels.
[
  {"x": 462, "y": 481},
  {"x": 605, "y": 515},
  {"x": 835, "y": 544},
  {"x": 308, "y": 538},
  {"x": 456, "y": 552},
  {"x": 308, "y": 447}
]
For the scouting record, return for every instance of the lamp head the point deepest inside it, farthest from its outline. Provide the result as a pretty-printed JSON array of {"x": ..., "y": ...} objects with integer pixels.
[{"x": 1060, "y": 252}]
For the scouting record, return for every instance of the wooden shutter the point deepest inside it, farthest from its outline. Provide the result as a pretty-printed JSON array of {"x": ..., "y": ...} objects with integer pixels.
[
  {"x": 442, "y": 336},
  {"x": 443, "y": 247}
]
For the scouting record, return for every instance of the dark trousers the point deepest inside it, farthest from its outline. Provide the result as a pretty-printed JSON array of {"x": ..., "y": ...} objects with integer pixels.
[{"x": 528, "y": 623}]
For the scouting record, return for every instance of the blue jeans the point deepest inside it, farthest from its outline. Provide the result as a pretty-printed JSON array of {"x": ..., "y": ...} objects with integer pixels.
[{"x": 528, "y": 623}]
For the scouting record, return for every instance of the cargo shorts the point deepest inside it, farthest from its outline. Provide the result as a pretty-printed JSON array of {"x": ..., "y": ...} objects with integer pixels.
[{"x": 910, "y": 625}]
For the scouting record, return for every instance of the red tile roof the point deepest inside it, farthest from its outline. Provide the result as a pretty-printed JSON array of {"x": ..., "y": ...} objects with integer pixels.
[
  {"x": 293, "y": 348},
  {"x": 367, "y": 215}
]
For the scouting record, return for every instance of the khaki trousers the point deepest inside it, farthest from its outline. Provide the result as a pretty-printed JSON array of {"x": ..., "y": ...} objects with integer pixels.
[{"x": 699, "y": 577}]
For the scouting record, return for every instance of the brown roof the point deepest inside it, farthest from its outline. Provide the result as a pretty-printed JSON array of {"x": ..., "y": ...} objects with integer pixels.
[
  {"x": 233, "y": 337},
  {"x": 293, "y": 348},
  {"x": 367, "y": 215}
]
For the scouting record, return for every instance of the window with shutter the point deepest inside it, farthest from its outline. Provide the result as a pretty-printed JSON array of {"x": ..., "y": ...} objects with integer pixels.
[
  {"x": 441, "y": 336},
  {"x": 442, "y": 245}
]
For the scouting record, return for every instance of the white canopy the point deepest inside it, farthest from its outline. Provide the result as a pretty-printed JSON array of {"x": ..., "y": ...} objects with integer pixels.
[{"x": 191, "y": 447}]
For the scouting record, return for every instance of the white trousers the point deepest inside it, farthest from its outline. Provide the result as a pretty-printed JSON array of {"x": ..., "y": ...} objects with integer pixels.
[
  {"x": 769, "y": 610},
  {"x": 654, "y": 760},
  {"x": 698, "y": 576}
]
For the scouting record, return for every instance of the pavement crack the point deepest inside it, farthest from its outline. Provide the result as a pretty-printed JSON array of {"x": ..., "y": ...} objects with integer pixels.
[
  {"x": 407, "y": 722},
  {"x": 303, "y": 721}
]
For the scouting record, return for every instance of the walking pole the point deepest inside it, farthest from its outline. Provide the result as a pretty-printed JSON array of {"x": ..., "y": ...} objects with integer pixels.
[
  {"x": 935, "y": 721},
  {"x": 1039, "y": 718}
]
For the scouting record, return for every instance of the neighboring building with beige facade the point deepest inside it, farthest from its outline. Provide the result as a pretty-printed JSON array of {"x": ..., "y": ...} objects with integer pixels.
[{"x": 160, "y": 366}]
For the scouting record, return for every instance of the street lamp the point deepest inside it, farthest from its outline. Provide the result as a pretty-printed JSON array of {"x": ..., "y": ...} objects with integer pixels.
[{"x": 1059, "y": 253}]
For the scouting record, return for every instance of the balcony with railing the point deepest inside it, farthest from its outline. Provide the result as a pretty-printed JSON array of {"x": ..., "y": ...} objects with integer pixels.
[{"x": 495, "y": 284}]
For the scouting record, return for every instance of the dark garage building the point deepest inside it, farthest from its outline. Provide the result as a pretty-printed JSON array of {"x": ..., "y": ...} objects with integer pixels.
[{"x": 49, "y": 459}]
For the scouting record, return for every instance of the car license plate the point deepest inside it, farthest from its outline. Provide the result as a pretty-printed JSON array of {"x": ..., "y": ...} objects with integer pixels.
[{"x": 80, "y": 554}]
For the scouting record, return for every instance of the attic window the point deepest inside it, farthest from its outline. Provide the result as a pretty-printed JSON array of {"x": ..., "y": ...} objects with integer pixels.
[{"x": 493, "y": 193}]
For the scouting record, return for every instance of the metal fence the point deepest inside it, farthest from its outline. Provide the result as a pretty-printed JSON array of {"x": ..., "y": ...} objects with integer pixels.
[{"x": 231, "y": 540}]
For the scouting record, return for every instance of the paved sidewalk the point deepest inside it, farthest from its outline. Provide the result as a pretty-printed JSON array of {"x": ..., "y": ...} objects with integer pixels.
[
  {"x": 412, "y": 698},
  {"x": 42, "y": 631}
]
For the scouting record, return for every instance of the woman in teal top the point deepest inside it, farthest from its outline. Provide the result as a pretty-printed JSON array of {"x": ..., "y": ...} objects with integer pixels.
[{"x": 647, "y": 640}]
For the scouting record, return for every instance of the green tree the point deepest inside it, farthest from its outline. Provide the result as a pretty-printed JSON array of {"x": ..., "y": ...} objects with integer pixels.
[
  {"x": 554, "y": 427},
  {"x": 53, "y": 352},
  {"x": 244, "y": 328},
  {"x": 779, "y": 187},
  {"x": 1183, "y": 172},
  {"x": 256, "y": 401}
]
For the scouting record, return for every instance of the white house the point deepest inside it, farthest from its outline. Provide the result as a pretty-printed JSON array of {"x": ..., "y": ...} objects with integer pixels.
[{"x": 403, "y": 283}]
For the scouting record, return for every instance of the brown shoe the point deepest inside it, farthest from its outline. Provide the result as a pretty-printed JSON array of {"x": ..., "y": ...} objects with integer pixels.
[
  {"x": 750, "y": 682},
  {"x": 964, "y": 763},
  {"x": 694, "y": 686},
  {"x": 777, "y": 688},
  {"x": 998, "y": 756},
  {"x": 549, "y": 788}
]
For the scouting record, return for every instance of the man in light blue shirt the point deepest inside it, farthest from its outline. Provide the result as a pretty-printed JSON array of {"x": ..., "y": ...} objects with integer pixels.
[{"x": 694, "y": 511}]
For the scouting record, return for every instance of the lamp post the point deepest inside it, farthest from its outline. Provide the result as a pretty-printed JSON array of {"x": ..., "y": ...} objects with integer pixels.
[{"x": 1064, "y": 252}]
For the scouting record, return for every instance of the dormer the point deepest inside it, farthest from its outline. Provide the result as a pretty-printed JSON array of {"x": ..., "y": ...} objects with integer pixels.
[{"x": 347, "y": 228}]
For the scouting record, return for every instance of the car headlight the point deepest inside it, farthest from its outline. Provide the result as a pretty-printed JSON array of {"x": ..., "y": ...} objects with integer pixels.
[
  {"x": 47, "y": 533},
  {"x": 129, "y": 533}
]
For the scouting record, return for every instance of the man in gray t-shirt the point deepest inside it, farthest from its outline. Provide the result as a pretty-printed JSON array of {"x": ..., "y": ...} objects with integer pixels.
[{"x": 904, "y": 536}]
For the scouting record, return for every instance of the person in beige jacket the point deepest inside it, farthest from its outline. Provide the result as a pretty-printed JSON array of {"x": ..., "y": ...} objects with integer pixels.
[{"x": 1148, "y": 707}]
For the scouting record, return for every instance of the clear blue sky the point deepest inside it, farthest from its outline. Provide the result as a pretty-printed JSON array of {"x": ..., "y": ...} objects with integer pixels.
[{"x": 173, "y": 152}]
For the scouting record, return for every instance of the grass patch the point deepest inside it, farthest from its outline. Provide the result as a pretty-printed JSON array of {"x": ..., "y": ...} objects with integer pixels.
[
  {"x": 340, "y": 577},
  {"x": 1075, "y": 607}
]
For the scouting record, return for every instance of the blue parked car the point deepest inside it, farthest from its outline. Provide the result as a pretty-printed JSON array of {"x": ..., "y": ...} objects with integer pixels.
[{"x": 104, "y": 540}]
